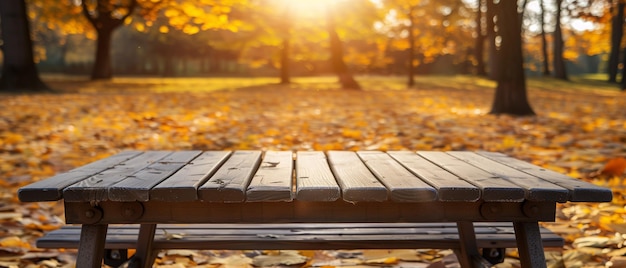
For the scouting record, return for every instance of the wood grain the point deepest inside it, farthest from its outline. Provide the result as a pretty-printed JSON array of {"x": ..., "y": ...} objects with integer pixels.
[
  {"x": 357, "y": 183},
  {"x": 299, "y": 236},
  {"x": 95, "y": 188},
  {"x": 536, "y": 188},
  {"x": 51, "y": 189},
  {"x": 493, "y": 188},
  {"x": 314, "y": 179},
  {"x": 579, "y": 191},
  {"x": 231, "y": 180},
  {"x": 273, "y": 180},
  {"x": 403, "y": 186},
  {"x": 449, "y": 186},
  {"x": 136, "y": 187},
  {"x": 183, "y": 185}
]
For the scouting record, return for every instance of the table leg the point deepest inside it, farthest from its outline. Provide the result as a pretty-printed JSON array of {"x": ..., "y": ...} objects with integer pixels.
[
  {"x": 145, "y": 254},
  {"x": 529, "y": 244},
  {"x": 468, "y": 255},
  {"x": 91, "y": 245},
  {"x": 467, "y": 237}
]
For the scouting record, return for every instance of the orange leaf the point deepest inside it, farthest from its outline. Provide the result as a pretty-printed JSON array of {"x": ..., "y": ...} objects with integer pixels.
[{"x": 615, "y": 167}]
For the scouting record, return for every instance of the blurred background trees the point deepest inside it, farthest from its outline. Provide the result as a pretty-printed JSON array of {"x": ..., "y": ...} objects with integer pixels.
[
  {"x": 245, "y": 37},
  {"x": 285, "y": 38}
]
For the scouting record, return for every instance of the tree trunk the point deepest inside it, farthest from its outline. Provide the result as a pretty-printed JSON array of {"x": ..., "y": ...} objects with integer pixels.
[
  {"x": 105, "y": 18},
  {"x": 559, "y": 63},
  {"x": 491, "y": 37},
  {"x": 336, "y": 55},
  {"x": 510, "y": 96},
  {"x": 617, "y": 32},
  {"x": 19, "y": 72},
  {"x": 479, "y": 48},
  {"x": 411, "y": 38},
  {"x": 285, "y": 50},
  {"x": 623, "y": 84},
  {"x": 102, "y": 68},
  {"x": 544, "y": 42},
  {"x": 284, "y": 62}
]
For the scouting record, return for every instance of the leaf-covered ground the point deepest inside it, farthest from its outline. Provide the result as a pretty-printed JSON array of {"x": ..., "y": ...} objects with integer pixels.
[{"x": 580, "y": 130}]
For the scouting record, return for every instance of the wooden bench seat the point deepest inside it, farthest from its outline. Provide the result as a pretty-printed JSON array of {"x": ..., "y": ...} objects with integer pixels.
[{"x": 490, "y": 236}]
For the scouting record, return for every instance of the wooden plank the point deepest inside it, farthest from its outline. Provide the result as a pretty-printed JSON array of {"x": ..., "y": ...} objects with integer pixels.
[
  {"x": 449, "y": 186},
  {"x": 493, "y": 188},
  {"x": 95, "y": 188},
  {"x": 403, "y": 186},
  {"x": 51, "y": 189},
  {"x": 233, "y": 236},
  {"x": 229, "y": 183},
  {"x": 183, "y": 185},
  {"x": 307, "y": 229},
  {"x": 136, "y": 187},
  {"x": 579, "y": 191},
  {"x": 273, "y": 180},
  {"x": 536, "y": 188},
  {"x": 300, "y": 211},
  {"x": 357, "y": 183},
  {"x": 314, "y": 179}
]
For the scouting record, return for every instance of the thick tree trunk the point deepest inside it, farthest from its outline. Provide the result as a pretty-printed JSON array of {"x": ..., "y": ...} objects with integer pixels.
[
  {"x": 19, "y": 72},
  {"x": 544, "y": 42},
  {"x": 617, "y": 32},
  {"x": 336, "y": 55},
  {"x": 510, "y": 96},
  {"x": 102, "y": 68},
  {"x": 411, "y": 81},
  {"x": 559, "y": 63},
  {"x": 479, "y": 47}
]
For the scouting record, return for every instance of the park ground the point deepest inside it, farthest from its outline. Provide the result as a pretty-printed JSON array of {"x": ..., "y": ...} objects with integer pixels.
[{"x": 579, "y": 130}]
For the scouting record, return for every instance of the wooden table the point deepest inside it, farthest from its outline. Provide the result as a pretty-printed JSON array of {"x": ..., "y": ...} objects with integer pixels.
[{"x": 154, "y": 187}]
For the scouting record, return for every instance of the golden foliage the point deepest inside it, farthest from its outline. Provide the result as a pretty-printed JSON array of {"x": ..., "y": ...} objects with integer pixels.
[{"x": 576, "y": 132}]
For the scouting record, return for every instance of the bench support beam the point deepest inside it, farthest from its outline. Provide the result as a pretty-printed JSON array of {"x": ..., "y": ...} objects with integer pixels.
[
  {"x": 91, "y": 246},
  {"x": 468, "y": 254},
  {"x": 146, "y": 254},
  {"x": 529, "y": 244}
]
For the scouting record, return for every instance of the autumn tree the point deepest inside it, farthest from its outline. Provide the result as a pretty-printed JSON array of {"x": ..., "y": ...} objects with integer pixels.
[
  {"x": 105, "y": 16},
  {"x": 346, "y": 79},
  {"x": 544, "y": 40},
  {"x": 407, "y": 10},
  {"x": 617, "y": 32},
  {"x": 558, "y": 44},
  {"x": 428, "y": 30},
  {"x": 18, "y": 71},
  {"x": 510, "y": 96},
  {"x": 479, "y": 47},
  {"x": 492, "y": 47}
]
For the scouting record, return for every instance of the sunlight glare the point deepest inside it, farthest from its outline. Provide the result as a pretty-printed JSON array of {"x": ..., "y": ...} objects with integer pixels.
[{"x": 308, "y": 9}]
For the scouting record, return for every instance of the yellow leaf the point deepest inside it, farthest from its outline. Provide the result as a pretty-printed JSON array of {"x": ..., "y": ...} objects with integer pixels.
[{"x": 140, "y": 27}]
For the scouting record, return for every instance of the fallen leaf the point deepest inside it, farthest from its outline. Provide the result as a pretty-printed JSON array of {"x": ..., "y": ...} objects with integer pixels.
[
  {"x": 614, "y": 167},
  {"x": 285, "y": 257}
]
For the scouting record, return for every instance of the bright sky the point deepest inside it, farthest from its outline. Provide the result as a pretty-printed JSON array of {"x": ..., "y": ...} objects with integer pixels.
[{"x": 308, "y": 8}]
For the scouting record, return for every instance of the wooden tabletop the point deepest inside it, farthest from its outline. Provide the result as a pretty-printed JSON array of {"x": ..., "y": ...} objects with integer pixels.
[{"x": 312, "y": 176}]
